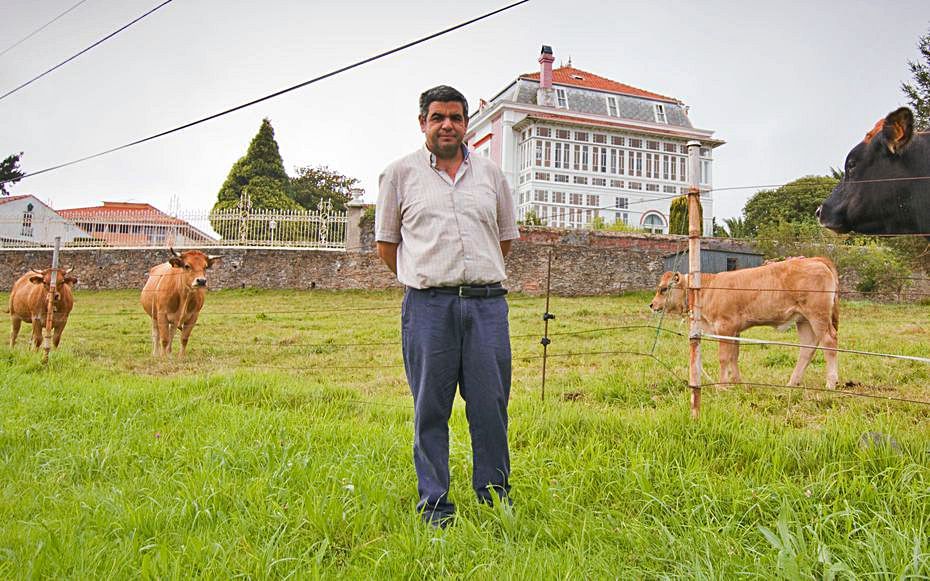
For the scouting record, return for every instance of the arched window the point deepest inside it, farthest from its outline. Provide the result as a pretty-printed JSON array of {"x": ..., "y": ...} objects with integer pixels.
[
  {"x": 27, "y": 222},
  {"x": 654, "y": 223}
]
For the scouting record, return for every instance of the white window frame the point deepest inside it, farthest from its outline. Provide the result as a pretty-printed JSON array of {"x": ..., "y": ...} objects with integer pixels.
[
  {"x": 561, "y": 99},
  {"x": 663, "y": 224},
  {"x": 659, "y": 110},
  {"x": 612, "y": 109}
]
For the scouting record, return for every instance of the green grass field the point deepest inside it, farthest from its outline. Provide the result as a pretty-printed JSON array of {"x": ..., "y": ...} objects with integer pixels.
[{"x": 281, "y": 447}]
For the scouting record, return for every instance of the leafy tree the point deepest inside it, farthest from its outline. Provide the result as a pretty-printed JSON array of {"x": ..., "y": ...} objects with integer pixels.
[
  {"x": 262, "y": 160},
  {"x": 678, "y": 215},
  {"x": 531, "y": 219},
  {"x": 621, "y": 226},
  {"x": 918, "y": 92},
  {"x": 735, "y": 228},
  {"x": 837, "y": 174},
  {"x": 794, "y": 202},
  {"x": 10, "y": 172},
  {"x": 313, "y": 184}
]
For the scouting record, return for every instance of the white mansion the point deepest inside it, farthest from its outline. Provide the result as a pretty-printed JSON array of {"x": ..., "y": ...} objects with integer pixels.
[{"x": 575, "y": 146}]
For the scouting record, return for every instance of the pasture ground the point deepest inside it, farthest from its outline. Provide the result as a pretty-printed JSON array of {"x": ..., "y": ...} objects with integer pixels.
[{"x": 277, "y": 450}]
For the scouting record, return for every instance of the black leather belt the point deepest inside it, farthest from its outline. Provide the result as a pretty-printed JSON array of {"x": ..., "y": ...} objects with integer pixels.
[{"x": 483, "y": 292}]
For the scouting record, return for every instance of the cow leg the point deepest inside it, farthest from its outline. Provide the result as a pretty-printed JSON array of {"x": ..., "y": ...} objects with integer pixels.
[
  {"x": 37, "y": 327},
  {"x": 155, "y": 341},
  {"x": 17, "y": 323},
  {"x": 165, "y": 334},
  {"x": 833, "y": 372},
  {"x": 172, "y": 329},
  {"x": 806, "y": 336},
  {"x": 186, "y": 333},
  {"x": 728, "y": 354},
  {"x": 56, "y": 337}
]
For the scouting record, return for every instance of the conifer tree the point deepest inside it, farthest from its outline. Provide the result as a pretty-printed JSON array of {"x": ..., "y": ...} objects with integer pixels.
[
  {"x": 260, "y": 172},
  {"x": 678, "y": 215}
]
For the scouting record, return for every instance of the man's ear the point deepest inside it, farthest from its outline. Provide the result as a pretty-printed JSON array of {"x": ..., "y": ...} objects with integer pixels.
[
  {"x": 898, "y": 129},
  {"x": 422, "y": 120},
  {"x": 176, "y": 262}
]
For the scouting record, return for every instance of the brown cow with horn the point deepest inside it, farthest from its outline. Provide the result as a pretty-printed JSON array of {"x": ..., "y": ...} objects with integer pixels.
[
  {"x": 173, "y": 296},
  {"x": 29, "y": 303}
]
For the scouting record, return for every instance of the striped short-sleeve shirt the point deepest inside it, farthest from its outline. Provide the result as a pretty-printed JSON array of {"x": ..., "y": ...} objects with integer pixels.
[{"x": 449, "y": 231}]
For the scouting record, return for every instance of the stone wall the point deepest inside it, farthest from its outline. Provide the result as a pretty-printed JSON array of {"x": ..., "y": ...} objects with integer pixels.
[{"x": 583, "y": 263}]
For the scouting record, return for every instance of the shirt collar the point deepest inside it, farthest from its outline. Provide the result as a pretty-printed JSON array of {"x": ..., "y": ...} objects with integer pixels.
[{"x": 466, "y": 154}]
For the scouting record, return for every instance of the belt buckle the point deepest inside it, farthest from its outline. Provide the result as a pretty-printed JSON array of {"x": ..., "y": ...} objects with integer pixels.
[{"x": 461, "y": 292}]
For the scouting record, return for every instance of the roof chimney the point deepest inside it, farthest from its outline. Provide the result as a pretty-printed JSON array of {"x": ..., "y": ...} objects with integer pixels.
[
  {"x": 545, "y": 95},
  {"x": 545, "y": 67}
]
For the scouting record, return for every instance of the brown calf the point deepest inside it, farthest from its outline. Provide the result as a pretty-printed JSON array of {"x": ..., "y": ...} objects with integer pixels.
[
  {"x": 801, "y": 291},
  {"x": 29, "y": 303},
  {"x": 173, "y": 296}
]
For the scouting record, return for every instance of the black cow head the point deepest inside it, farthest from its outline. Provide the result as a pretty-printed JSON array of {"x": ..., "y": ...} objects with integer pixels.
[{"x": 885, "y": 189}]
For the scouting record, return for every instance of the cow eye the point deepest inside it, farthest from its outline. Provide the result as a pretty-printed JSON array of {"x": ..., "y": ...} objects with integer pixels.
[
  {"x": 663, "y": 289},
  {"x": 187, "y": 267}
]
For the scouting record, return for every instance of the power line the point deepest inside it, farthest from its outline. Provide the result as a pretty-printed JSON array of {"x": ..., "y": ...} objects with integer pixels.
[
  {"x": 38, "y": 30},
  {"x": 277, "y": 93},
  {"x": 71, "y": 58}
]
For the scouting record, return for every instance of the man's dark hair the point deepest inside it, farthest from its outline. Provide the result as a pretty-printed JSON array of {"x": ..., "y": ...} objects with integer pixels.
[{"x": 443, "y": 94}]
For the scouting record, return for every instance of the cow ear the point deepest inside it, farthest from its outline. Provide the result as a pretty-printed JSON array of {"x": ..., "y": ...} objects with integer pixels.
[
  {"x": 898, "y": 129},
  {"x": 677, "y": 278},
  {"x": 36, "y": 279},
  {"x": 212, "y": 259},
  {"x": 176, "y": 262},
  {"x": 70, "y": 280}
]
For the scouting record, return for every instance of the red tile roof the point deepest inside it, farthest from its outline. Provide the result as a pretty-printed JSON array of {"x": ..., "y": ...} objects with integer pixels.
[
  {"x": 578, "y": 78},
  {"x": 127, "y": 211},
  {"x": 14, "y": 198},
  {"x": 122, "y": 214}
]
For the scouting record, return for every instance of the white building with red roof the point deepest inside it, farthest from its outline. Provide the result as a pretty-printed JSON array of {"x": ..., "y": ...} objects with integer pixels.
[
  {"x": 576, "y": 146},
  {"x": 135, "y": 224},
  {"x": 28, "y": 221}
]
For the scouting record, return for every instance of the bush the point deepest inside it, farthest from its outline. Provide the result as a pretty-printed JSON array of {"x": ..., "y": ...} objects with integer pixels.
[{"x": 880, "y": 268}]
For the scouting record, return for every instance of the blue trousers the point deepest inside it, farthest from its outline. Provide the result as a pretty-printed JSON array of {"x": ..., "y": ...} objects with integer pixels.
[{"x": 451, "y": 341}]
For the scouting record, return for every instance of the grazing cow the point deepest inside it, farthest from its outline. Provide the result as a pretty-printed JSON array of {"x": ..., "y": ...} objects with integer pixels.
[
  {"x": 798, "y": 290},
  {"x": 886, "y": 187},
  {"x": 173, "y": 296},
  {"x": 29, "y": 303}
]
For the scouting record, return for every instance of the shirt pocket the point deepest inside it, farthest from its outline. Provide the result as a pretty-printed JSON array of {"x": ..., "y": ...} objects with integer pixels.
[{"x": 484, "y": 202}]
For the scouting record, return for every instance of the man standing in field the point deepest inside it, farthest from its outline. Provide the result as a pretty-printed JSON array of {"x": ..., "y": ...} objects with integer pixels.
[{"x": 444, "y": 223}]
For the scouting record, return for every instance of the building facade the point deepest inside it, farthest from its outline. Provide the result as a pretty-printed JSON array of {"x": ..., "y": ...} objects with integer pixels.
[
  {"x": 27, "y": 221},
  {"x": 135, "y": 224},
  {"x": 578, "y": 149}
]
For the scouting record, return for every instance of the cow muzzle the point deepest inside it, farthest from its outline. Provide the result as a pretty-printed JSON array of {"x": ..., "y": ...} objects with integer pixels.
[{"x": 200, "y": 282}]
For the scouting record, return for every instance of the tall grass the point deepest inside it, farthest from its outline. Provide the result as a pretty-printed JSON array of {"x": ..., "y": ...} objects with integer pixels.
[{"x": 276, "y": 450}]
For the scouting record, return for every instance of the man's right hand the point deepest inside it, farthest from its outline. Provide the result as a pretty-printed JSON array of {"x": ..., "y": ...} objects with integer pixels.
[{"x": 388, "y": 253}]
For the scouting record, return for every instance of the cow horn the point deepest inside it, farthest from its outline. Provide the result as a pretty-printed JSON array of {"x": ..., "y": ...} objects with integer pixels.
[
  {"x": 69, "y": 270},
  {"x": 214, "y": 257},
  {"x": 171, "y": 248}
]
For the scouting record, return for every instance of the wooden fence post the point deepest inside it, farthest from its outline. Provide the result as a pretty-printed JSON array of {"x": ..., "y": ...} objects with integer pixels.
[
  {"x": 694, "y": 279},
  {"x": 50, "y": 307}
]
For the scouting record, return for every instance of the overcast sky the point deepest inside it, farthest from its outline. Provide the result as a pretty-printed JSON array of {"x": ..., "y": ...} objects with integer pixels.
[{"x": 790, "y": 86}]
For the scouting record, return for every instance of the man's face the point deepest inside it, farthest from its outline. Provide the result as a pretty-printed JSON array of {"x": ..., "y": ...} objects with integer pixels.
[{"x": 444, "y": 127}]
